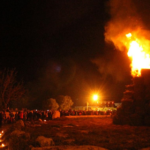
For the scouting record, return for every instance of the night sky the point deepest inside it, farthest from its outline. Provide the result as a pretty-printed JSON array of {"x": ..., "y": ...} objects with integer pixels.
[{"x": 58, "y": 48}]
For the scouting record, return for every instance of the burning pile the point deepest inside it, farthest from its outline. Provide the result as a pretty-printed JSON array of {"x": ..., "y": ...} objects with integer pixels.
[
  {"x": 127, "y": 32},
  {"x": 136, "y": 99},
  {"x": 135, "y": 107}
]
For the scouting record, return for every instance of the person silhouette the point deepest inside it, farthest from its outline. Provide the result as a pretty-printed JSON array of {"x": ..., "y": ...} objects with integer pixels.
[{"x": 1, "y": 118}]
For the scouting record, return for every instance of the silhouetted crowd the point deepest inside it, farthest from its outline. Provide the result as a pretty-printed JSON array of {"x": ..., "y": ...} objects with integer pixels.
[
  {"x": 34, "y": 115},
  {"x": 12, "y": 116}
]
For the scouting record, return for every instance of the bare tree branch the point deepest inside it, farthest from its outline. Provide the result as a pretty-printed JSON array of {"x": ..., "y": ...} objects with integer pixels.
[{"x": 10, "y": 89}]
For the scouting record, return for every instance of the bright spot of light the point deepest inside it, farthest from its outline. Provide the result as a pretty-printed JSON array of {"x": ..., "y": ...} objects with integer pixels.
[{"x": 95, "y": 97}]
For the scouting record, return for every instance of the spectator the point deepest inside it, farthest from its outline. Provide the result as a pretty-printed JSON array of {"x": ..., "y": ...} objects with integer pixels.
[
  {"x": 11, "y": 116},
  {"x": 25, "y": 116},
  {"x": 1, "y": 118},
  {"x": 30, "y": 116},
  {"x": 16, "y": 116},
  {"x": 21, "y": 115},
  {"x": 50, "y": 115}
]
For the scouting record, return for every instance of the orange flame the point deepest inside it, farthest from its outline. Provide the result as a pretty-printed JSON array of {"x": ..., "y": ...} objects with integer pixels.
[{"x": 137, "y": 51}]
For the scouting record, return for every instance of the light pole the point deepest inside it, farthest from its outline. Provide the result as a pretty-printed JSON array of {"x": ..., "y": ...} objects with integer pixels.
[{"x": 87, "y": 106}]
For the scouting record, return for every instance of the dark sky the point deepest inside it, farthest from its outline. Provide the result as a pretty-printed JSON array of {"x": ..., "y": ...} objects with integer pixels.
[{"x": 58, "y": 47}]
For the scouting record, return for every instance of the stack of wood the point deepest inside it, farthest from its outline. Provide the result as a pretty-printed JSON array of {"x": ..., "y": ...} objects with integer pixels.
[{"x": 135, "y": 104}]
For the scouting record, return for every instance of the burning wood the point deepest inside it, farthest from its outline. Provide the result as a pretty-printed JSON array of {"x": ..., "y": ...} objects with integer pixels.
[
  {"x": 138, "y": 51},
  {"x": 135, "y": 105}
]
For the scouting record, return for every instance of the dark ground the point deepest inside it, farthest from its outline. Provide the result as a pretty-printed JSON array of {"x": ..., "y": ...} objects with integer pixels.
[{"x": 92, "y": 131}]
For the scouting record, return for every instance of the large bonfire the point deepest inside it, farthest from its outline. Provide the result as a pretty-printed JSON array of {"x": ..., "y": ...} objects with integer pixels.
[
  {"x": 138, "y": 50},
  {"x": 127, "y": 32}
]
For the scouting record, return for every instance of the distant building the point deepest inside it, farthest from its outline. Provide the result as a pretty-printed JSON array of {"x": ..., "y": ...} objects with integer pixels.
[{"x": 105, "y": 105}]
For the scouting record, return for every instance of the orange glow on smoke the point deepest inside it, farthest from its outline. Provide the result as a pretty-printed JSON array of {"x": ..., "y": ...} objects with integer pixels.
[{"x": 138, "y": 52}]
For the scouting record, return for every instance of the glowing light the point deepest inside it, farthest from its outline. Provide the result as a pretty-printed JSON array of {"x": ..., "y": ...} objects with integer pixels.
[
  {"x": 3, "y": 145},
  {"x": 138, "y": 52},
  {"x": 1, "y": 134},
  {"x": 128, "y": 35},
  {"x": 95, "y": 97}
]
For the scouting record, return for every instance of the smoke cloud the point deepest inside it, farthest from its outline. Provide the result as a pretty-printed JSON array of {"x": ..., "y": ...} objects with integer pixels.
[{"x": 124, "y": 19}]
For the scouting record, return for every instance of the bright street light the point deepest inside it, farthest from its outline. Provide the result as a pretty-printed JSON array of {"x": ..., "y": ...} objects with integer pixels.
[{"x": 95, "y": 97}]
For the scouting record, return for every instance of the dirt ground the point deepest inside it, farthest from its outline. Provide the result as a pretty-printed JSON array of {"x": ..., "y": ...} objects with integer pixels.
[{"x": 92, "y": 131}]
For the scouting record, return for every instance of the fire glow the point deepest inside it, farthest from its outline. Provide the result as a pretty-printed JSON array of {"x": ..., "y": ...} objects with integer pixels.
[
  {"x": 138, "y": 53},
  {"x": 2, "y": 146},
  {"x": 127, "y": 31}
]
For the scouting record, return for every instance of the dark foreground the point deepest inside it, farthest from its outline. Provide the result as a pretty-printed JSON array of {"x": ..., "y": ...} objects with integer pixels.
[{"x": 91, "y": 131}]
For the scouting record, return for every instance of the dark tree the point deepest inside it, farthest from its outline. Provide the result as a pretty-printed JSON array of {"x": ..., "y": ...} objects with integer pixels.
[
  {"x": 10, "y": 88},
  {"x": 50, "y": 104},
  {"x": 65, "y": 102}
]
